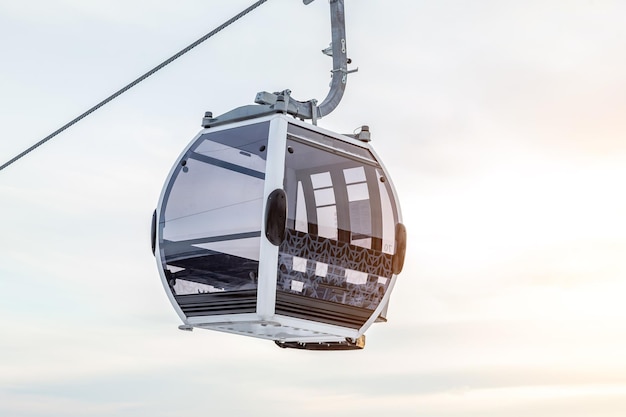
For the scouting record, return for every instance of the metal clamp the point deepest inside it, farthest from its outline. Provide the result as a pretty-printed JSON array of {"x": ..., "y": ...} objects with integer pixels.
[{"x": 282, "y": 102}]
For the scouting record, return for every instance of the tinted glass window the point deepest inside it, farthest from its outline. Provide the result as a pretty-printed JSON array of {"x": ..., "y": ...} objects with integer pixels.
[
  {"x": 210, "y": 224},
  {"x": 340, "y": 225}
]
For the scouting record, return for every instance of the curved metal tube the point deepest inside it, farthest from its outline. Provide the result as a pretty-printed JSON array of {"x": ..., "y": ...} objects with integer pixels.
[
  {"x": 340, "y": 59},
  {"x": 282, "y": 102}
]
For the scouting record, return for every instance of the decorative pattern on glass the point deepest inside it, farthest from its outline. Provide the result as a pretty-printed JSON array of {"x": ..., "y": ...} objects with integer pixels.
[{"x": 340, "y": 225}]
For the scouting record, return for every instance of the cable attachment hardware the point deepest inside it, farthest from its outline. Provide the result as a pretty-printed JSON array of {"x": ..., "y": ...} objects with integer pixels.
[
  {"x": 268, "y": 103},
  {"x": 329, "y": 52},
  {"x": 345, "y": 72},
  {"x": 338, "y": 51}
]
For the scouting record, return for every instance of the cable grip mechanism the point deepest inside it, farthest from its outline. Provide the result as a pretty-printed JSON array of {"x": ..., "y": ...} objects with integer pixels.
[{"x": 282, "y": 102}]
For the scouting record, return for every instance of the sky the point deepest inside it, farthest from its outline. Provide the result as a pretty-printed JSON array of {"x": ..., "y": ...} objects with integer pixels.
[{"x": 501, "y": 123}]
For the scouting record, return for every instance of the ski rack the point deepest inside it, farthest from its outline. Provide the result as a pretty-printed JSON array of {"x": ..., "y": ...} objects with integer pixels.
[{"x": 282, "y": 102}]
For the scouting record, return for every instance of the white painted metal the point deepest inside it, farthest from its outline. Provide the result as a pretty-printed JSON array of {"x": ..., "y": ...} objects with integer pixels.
[
  {"x": 158, "y": 252},
  {"x": 274, "y": 172},
  {"x": 265, "y": 323}
]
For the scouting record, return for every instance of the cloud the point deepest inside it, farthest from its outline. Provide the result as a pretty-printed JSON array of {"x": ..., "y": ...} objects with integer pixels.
[{"x": 501, "y": 126}]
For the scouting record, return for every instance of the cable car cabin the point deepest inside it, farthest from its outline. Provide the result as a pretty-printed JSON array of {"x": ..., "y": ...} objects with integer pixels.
[{"x": 277, "y": 229}]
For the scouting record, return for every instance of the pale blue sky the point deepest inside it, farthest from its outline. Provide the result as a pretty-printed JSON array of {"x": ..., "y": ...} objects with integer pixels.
[{"x": 502, "y": 124}]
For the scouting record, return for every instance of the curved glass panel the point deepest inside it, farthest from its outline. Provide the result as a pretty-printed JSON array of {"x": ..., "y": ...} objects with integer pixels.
[
  {"x": 340, "y": 232},
  {"x": 210, "y": 220}
]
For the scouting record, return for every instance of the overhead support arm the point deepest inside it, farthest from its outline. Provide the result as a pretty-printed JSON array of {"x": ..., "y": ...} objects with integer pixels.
[
  {"x": 281, "y": 102},
  {"x": 340, "y": 58}
]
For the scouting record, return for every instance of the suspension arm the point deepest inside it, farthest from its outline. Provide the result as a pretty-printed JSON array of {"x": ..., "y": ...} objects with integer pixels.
[
  {"x": 282, "y": 102},
  {"x": 340, "y": 59}
]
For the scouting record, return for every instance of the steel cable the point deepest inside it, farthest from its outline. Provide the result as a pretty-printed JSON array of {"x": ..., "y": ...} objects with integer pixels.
[{"x": 134, "y": 83}]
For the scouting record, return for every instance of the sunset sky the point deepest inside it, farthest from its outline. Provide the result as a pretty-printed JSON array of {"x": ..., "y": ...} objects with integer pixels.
[{"x": 502, "y": 123}]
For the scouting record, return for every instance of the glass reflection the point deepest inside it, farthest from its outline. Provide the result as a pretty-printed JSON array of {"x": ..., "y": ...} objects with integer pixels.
[
  {"x": 211, "y": 213},
  {"x": 337, "y": 248}
]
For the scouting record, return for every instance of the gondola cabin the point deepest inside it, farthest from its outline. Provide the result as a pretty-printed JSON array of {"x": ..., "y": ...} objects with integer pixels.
[{"x": 275, "y": 228}]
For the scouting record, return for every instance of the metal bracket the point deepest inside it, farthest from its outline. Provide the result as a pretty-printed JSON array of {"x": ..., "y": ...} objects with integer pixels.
[
  {"x": 281, "y": 102},
  {"x": 313, "y": 111}
]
